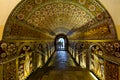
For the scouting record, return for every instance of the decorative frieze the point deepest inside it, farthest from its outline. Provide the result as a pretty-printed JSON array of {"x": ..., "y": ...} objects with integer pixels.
[{"x": 112, "y": 48}]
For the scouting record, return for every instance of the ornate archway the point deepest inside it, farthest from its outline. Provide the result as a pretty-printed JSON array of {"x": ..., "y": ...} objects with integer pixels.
[{"x": 44, "y": 19}]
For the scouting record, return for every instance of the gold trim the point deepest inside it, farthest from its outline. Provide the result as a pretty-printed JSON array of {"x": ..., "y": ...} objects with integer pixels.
[
  {"x": 95, "y": 40},
  {"x": 109, "y": 40},
  {"x": 7, "y": 40},
  {"x": 7, "y": 61}
]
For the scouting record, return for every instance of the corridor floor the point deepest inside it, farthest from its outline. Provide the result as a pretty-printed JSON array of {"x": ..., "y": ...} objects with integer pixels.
[
  {"x": 61, "y": 60},
  {"x": 61, "y": 67}
]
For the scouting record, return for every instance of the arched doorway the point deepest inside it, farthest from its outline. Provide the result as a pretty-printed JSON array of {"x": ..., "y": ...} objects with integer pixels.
[{"x": 61, "y": 42}]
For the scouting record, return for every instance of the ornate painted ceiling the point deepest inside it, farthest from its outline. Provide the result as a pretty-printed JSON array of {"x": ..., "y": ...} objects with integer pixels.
[{"x": 44, "y": 19}]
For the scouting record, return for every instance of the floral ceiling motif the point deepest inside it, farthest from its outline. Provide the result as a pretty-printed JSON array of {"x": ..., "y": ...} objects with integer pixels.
[{"x": 52, "y": 17}]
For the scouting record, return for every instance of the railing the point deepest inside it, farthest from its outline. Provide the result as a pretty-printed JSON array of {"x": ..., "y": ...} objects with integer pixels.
[
  {"x": 20, "y": 58},
  {"x": 102, "y": 57}
]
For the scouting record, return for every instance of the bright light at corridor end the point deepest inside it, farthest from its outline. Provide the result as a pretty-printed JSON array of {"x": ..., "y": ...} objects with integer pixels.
[{"x": 93, "y": 76}]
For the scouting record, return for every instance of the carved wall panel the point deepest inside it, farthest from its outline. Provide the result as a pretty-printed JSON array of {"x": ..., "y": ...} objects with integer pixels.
[
  {"x": 111, "y": 71},
  {"x": 98, "y": 54},
  {"x": 10, "y": 71},
  {"x": 20, "y": 62},
  {"x": 21, "y": 74},
  {"x": 96, "y": 61},
  {"x": 7, "y": 50},
  {"x": 83, "y": 58},
  {"x": 24, "y": 61}
]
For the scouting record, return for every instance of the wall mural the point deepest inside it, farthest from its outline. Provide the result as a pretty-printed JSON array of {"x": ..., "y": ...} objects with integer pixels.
[
  {"x": 39, "y": 55},
  {"x": 96, "y": 62},
  {"x": 17, "y": 58},
  {"x": 83, "y": 58},
  {"x": 103, "y": 59},
  {"x": 25, "y": 63},
  {"x": 21, "y": 68},
  {"x": 97, "y": 66},
  {"x": 112, "y": 71},
  {"x": 9, "y": 71},
  {"x": 44, "y": 19},
  {"x": 100, "y": 57}
]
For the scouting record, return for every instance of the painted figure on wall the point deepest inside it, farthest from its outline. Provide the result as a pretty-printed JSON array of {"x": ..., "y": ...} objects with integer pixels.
[{"x": 97, "y": 66}]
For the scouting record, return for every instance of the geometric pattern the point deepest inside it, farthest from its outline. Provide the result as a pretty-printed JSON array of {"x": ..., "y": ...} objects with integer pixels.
[{"x": 44, "y": 19}]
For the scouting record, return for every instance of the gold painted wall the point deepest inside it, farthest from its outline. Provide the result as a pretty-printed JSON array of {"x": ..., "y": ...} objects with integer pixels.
[{"x": 117, "y": 29}]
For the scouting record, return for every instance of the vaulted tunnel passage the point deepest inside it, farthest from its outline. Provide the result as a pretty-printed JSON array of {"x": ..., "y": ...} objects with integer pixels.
[{"x": 59, "y": 40}]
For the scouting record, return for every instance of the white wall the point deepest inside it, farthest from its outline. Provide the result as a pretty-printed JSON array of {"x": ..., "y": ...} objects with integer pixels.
[
  {"x": 113, "y": 7},
  {"x": 6, "y": 7}
]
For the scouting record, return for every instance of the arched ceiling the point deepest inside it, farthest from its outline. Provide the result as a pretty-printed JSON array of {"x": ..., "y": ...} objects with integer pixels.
[{"x": 44, "y": 19}]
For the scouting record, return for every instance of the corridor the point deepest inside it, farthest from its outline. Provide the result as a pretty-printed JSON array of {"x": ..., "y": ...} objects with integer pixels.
[
  {"x": 35, "y": 36},
  {"x": 61, "y": 60},
  {"x": 61, "y": 67}
]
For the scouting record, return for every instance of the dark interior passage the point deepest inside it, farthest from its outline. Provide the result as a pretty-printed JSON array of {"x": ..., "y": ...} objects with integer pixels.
[{"x": 61, "y": 42}]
